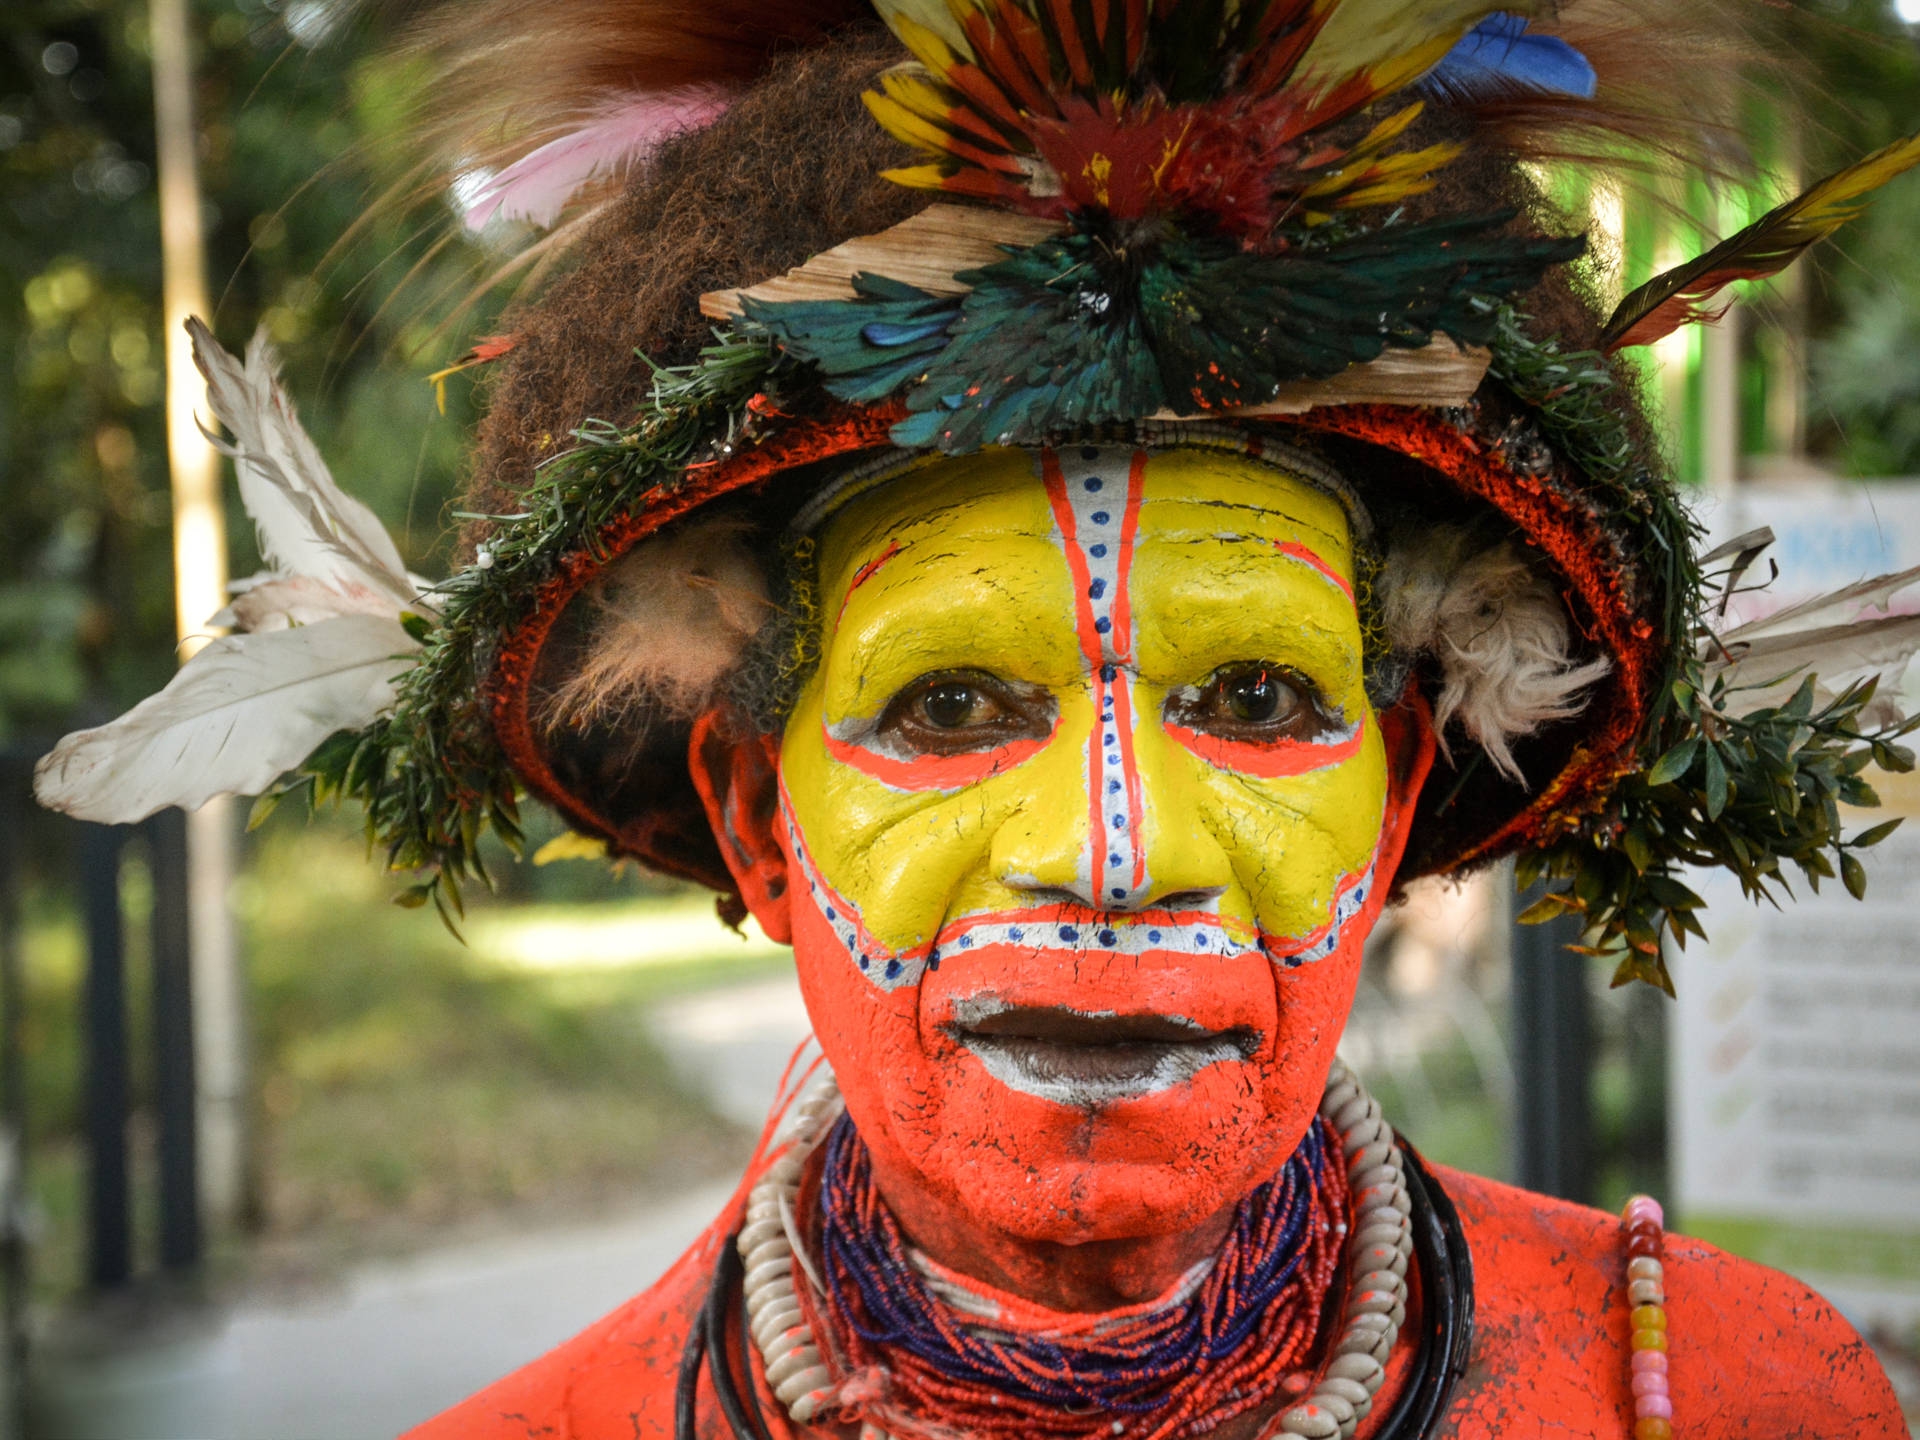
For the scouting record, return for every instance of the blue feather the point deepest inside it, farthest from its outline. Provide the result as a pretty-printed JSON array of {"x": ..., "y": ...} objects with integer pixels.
[
  {"x": 1498, "y": 53},
  {"x": 884, "y": 334}
]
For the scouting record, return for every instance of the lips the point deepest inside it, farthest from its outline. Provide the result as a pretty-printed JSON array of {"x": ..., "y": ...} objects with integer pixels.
[{"x": 1088, "y": 1060}]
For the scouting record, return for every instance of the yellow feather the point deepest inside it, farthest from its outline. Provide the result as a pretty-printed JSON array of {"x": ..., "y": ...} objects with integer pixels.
[
  {"x": 1393, "y": 42},
  {"x": 904, "y": 124},
  {"x": 918, "y": 177},
  {"x": 1389, "y": 129},
  {"x": 915, "y": 22},
  {"x": 917, "y": 92}
]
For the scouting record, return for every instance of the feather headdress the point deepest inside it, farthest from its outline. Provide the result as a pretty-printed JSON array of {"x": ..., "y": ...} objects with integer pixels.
[
  {"x": 1147, "y": 209},
  {"x": 328, "y": 630}
]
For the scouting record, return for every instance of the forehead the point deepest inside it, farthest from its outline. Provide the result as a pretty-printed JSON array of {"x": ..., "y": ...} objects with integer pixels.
[{"x": 1204, "y": 500}]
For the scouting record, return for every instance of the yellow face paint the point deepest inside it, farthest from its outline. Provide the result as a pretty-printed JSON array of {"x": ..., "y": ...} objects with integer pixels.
[
  {"x": 1089, "y": 739},
  {"x": 1115, "y": 608}
]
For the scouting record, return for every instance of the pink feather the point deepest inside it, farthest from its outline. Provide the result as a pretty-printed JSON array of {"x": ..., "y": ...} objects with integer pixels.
[{"x": 538, "y": 185}]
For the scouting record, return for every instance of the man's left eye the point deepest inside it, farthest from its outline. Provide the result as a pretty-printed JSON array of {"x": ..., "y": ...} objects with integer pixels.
[{"x": 1252, "y": 701}]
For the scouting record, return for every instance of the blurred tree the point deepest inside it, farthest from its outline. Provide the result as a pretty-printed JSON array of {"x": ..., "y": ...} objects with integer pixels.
[
  {"x": 297, "y": 126},
  {"x": 1864, "y": 315}
]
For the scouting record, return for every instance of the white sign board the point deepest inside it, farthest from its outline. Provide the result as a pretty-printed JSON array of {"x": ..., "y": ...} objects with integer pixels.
[{"x": 1796, "y": 1038}]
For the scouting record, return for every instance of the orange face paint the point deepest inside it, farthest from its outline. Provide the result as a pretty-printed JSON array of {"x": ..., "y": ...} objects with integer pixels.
[{"x": 1101, "y": 840}]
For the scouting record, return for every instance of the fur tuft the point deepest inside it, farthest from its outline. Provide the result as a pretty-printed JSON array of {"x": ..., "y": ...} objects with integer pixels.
[
  {"x": 1498, "y": 632},
  {"x": 668, "y": 624}
]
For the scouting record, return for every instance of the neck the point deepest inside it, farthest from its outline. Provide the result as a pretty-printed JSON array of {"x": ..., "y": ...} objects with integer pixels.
[{"x": 1089, "y": 1276}]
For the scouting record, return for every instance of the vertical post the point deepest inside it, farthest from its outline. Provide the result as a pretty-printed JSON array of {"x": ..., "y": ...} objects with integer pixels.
[
  {"x": 1647, "y": 1130},
  {"x": 199, "y": 525},
  {"x": 200, "y": 583},
  {"x": 175, "y": 1097},
  {"x": 1553, "y": 1061},
  {"x": 1720, "y": 403},
  {"x": 110, "y": 1249},
  {"x": 13, "y": 1105}
]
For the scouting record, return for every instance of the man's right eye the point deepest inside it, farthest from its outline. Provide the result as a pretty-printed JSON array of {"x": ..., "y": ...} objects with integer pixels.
[{"x": 952, "y": 714}]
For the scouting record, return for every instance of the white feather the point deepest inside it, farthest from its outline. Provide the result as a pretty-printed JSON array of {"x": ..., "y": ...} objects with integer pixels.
[
  {"x": 1764, "y": 661},
  {"x": 268, "y": 601},
  {"x": 308, "y": 526},
  {"x": 237, "y": 716},
  {"x": 1836, "y": 606}
]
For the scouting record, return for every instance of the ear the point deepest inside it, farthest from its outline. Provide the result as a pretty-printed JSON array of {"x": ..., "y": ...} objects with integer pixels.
[
  {"x": 1407, "y": 730},
  {"x": 737, "y": 772}
]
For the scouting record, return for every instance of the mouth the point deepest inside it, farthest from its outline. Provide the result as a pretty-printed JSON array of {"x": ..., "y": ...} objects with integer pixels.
[{"x": 1089, "y": 1060}]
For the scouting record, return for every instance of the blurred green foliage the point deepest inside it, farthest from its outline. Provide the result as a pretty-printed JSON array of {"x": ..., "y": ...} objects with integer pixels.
[
  {"x": 299, "y": 127},
  {"x": 1863, "y": 316}
]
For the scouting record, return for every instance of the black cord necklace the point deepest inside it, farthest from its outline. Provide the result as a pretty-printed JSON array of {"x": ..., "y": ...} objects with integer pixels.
[{"x": 1446, "y": 1327}]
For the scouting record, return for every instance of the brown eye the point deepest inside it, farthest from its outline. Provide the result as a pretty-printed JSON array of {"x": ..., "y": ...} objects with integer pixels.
[
  {"x": 952, "y": 704},
  {"x": 1257, "y": 696},
  {"x": 953, "y": 714},
  {"x": 1255, "y": 702}
]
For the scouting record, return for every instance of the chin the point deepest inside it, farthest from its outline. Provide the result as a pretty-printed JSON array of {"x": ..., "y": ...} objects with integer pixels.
[{"x": 1037, "y": 1170}]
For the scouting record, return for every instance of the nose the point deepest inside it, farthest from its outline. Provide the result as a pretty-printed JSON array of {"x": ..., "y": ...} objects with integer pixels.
[{"x": 1114, "y": 825}]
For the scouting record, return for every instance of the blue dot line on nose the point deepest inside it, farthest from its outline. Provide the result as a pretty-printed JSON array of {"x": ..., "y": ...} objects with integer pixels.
[
  {"x": 1119, "y": 822},
  {"x": 1101, "y": 517},
  {"x": 1113, "y": 858},
  {"x": 1096, "y": 590},
  {"x": 1103, "y": 624},
  {"x": 1113, "y": 787},
  {"x": 1095, "y": 483},
  {"x": 1099, "y": 552}
]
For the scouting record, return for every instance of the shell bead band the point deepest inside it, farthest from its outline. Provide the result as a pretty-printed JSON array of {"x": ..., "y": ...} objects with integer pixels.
[
  {"x": 785, "y": 1288},
  {"x": 1647, "y": 1319}
]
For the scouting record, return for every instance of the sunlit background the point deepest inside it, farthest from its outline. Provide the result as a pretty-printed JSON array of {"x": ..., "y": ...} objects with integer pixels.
[{"x": 421, "y": 1160}]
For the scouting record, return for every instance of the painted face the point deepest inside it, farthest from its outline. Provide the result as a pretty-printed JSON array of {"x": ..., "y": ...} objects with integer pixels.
[{"x": 1083, "y": 813}]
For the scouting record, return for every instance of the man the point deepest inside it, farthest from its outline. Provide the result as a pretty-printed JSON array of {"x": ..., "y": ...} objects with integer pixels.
[{"x": 1066, "y": 612}]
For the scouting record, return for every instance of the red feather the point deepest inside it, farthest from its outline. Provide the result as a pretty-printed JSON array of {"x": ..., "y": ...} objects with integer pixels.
[{"x": 1764, "y": 248}]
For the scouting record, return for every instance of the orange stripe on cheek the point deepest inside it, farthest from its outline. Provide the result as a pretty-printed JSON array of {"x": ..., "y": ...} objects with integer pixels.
[
  {"x": 935, "y": 772},
  {"x": 1268, "y": 762}
]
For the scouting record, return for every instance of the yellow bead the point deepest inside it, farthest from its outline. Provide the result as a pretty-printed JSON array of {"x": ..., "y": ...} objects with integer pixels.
[
  {"x": 1649, "y": 1339},
  {"x": 1649, "y": 1317},
  {"x": 1652, "y": 1430}
]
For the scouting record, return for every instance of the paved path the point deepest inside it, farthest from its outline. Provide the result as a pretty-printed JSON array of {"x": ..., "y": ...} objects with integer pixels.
[
  {"x": 396, "y": 1344},
  {"x": 392, "y": 1347}
]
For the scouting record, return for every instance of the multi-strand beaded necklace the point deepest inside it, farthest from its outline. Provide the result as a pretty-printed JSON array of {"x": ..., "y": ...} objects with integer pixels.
[
  {"x": 988, "y": 1363},
  {"x": 879, "y": 1334}
]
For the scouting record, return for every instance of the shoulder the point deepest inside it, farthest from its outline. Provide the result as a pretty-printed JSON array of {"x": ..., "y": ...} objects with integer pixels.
[
  {"x": 614, "y": 1379},
  {"x": 1752, "y": 1350}
]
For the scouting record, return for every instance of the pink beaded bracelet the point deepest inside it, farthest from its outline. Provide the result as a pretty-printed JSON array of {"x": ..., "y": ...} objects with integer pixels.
[{"x": 1647, "y": 1302}]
